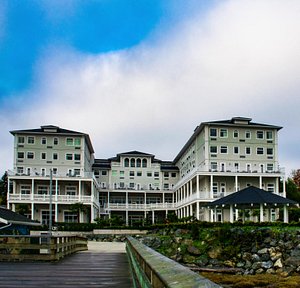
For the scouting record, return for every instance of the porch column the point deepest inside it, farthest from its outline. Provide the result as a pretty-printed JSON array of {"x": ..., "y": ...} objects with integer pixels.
[
  {"x": 56, "y": 191},
  {"x": 261, "y": 213},
  {"x": 211, "y": 215},
  {"x": 236, "y": 183},
  {"x": 197, "y": 187},
  {"x": 126, "y": 199},
  {"x": 8, "y": 193},
  {"x": 153, "y": 218},
  {"x": 32, "y": 190},
  {"x": 79, "y": 191},
  {"x": 197, "y": 210},
  {"x": 191, "y": 210},
  {"x": 92, "y": 213},
  {"x": 32, "y": 211},
  {"x": 126, "y": 213},
  {"x": 284, "y": 188},
  {"x": 231, "y": 213},
  {"x": 211, "y": 196},
  {"x": 285, "y": 214},
  {"x": 260, "y": 182},
  {"x": 108, "y": 206},
  {"x": 55, "y": 212}
]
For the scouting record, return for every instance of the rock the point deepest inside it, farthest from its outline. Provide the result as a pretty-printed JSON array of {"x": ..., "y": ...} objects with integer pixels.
[
  {"x": 267, "y": 264},
  {"x": 240, "y": 264},
  {"x": 188, "y": 259},
  {"x": 255, "y": 258},
  {"x": 193, "y": 250},
  {"x": 262, "y": 251},
  {"x": 278, "y": 264},
  {"x": 292, "y": 261},
  {"x": 215, "y": 253},
  {"x": 248, "y": 264},
  {"x": 270, "y": 271},
  {"x": 259, "y": 271},
  {"x": 247, "y": 256},
  {"x": 265, "y": 257},
  {"x": 229, "y": 263},
  {"x": 256, "y": 265}
]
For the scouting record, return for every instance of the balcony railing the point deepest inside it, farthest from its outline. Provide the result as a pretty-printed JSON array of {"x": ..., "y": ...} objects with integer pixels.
[
  {"x": 137, "y": 206},
  {"x": 45, "y": 198},
  {"x": 56, "y": 175}
]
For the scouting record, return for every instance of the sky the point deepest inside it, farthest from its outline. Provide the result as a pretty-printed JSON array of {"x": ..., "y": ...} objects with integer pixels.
[{"x": 141, "y": 75}]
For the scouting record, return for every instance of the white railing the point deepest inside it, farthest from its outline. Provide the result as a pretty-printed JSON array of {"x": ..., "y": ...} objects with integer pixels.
[
  {"x": 58, "y": 175},
  {"x": 150, "y": 206},
  {"x": 46, "y": 198}
]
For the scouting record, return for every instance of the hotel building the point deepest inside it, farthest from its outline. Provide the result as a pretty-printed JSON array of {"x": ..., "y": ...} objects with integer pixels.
[{"x": 221, "y": 157}]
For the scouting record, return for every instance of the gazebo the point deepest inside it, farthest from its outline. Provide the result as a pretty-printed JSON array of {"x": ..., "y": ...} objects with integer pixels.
[{"x": 252, "y": 198}]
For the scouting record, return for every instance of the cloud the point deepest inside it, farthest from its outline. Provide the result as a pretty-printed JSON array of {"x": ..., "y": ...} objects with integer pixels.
[{"x": 239, "y": 59}]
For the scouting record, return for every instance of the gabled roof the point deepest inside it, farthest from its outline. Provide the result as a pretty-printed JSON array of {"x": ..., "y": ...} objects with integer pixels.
[
  {"x": 10, "y": 217},
  {"x": 55, "y": 130},
  {"x": 233, "y": 122},
  {"x": 251, "y": 195}
]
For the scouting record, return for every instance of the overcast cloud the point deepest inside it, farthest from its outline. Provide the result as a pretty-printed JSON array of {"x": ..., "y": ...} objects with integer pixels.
[{"x": 240, "y": 59}]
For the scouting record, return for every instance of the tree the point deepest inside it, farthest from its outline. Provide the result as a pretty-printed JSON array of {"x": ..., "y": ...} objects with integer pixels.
[
  {"x": 296, "y": 177},
  {"x": 23, "y": 209},
  {"x": 292, "y": 191},
  {"x": 78, "y": 208},
  {"x": 3, "y": 189}
]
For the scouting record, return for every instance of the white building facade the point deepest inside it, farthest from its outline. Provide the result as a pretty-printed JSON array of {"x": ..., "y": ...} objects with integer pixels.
[{"x": 220, "y": 158}]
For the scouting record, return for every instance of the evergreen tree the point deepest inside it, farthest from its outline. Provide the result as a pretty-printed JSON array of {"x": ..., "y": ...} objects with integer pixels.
[{"x": 3, "y": 189}]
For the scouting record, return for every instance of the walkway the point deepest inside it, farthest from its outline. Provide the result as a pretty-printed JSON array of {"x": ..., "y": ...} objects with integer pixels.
[{"x": 103, "y": 265}]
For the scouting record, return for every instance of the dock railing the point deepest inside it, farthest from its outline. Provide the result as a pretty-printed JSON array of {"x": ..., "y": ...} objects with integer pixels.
[
  {"x": 151, "y": 269},
  {"x": 39, "y": 248}
]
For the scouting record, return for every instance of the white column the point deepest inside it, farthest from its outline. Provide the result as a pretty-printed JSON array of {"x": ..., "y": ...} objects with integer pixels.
[
  {"x": 8, "y": 193},
  {"x": 56, "y": 191},
  {"x": 260, "y": 182},
  {"x": 285, "y": 214},
  {"x": 197, "y": 187},
  {"x": 261, "y": 212},
  {"x": 126, "y": 200},
  {"x": 153, "y": 218},
  {"x": 236, "y": 183},
  {"x": 231, "y": 213},
  {"x": 191, "y": 210},
  {"x": 197, "y": 210},
  {"x": 284, "y": 188},
  {"x": 79, "y": 190},
  {"x": 32, "y": 189},
  {"x": 56, "y": 212},
  {"x": 32, "y": 211},
  {"x": 126, "y": 213},
  {"x": 92, "y": 213},
  {"x": 211, "y": 187}
]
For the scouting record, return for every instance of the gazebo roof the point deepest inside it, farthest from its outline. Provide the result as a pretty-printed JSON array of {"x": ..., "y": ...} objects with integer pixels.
[
  {"x": 250, "y": 196},
  {"x": 10, "y": 217}
]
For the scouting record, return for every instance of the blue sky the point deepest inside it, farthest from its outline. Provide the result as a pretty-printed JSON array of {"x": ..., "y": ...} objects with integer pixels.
[
  {"x": 142, "y": 74},
  {"x": 32, "y": 27}
]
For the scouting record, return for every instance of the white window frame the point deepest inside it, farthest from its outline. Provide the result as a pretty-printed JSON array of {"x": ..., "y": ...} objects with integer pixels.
[
  {"x": 224, "y": 147},
  {"x": 32, "y": 138},
  {"x": 42, "y": 140},
  {"x": 30, "y": 152},
  {"x": 223, "y": 133},
  {"x": 210, "y": 132},
  {"x": 238, "y": 150},
  {"x": 260, "y": 151},
  {"x": 236, "y": 132},
  {"x": 249, "y": 150},
  {"x": 260, "y": 132},
  {"x": 43, "y": 153},
  {"x": 248, "y": 133}
]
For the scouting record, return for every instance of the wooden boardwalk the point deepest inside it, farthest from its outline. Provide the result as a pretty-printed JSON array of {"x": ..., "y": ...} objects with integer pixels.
[{"x": 106, "y": 266}]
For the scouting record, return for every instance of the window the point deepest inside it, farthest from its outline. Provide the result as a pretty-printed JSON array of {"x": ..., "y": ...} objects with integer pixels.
[
  {"x": 144, "y": 163},
  {"x": 46, "y": 217},
  {"x": 156, "y": 174},
  {"x": 55, "y": 156},
  {"x": 248, "y": 150},
  {"x": 76, "y": 172},
  {"x": 114, "y": 173},
  {"x": 166, "y": 174},
  {"x": 173, "y": 175},
  {"x": 139, "y": 173},
  {"x": 271, "y": 187},
  {"x": 149, "y": 174},
  {"x": 131, "y": 173},
  {"x": 260, "y": 134},
  {"x": 236, "y": 167},
  {"x": 54, "y": 170},
  {"x": 55, "y": 141},
  {"x": 131, "y": 185},
  {"x": 270, "y": 167},
  {"x": 77, "y": 157},
  {"x": 42, "y": 190},
  {"x": 223, "y": 150},
  {"x": 126, "y": 162},
  {"x": 43, "y": 171},
  {"x": 236, "y": 150},
  {"x": 215, "y": 187},
  {"x": 70, "y": 141},
  {"x": 259, "y": 150},
  {"x": 70, "y": 217},
  {"x": 43, "y": 156},
  {"x": 213, "y": 132},
  {"x": 21, "y": 140},
  {"x": 235, "y": 133},
  {"x": 20, "y": 155},
  {"x": 69, "y": 156},
  {"x": 213, "y": 149},
  {"x": 103, "y": 173},
  {"x": 269, "y": 151},
  {"x": 44, "y": 141},
  {"x": 30, "y": 140},
  {"x": 269, "y": 135},
  {"x": 138, "y": 162},
  {"x": 20, "y": 170},
  {"x": 25, "y": 189},
  {"x": 214, "y": 165},
  {"x": 71, "y": 190},
  {"x": 223, "y": 133},
  {"x": 247, "y": 134},
  {"x": 166, "y": 186},
  {"x": 132, "y": 162},
  {"x": 30, "y": 155},
  {"x": 77, "y": 141}
]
